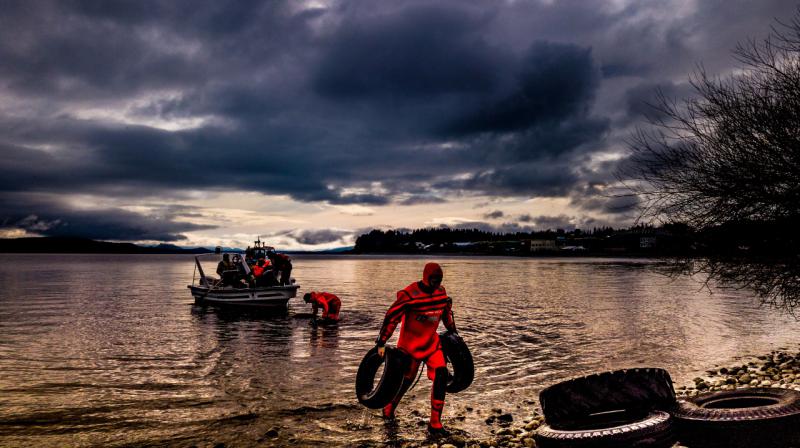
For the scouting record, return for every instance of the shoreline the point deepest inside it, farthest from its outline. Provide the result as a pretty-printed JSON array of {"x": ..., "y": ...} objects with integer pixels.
[{"x": 779, "y": 368}]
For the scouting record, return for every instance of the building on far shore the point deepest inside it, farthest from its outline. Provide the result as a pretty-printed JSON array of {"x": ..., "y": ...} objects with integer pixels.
[
  {"x": 647, "y": 242},
  {"x": 542, "y": 245}
]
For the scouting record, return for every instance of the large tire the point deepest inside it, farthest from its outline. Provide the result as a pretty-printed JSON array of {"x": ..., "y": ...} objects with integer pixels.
[
  {"x": 377, "y": 396},
  {"x": 758, "y": 417},
  {"x": 653, "y": 430},
  {"x": 459, "y": 357},
  {"x": 636, "y": 390}
]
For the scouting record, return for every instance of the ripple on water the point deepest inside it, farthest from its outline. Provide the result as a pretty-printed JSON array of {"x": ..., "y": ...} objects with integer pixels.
[{"x": 84, "y": 360}]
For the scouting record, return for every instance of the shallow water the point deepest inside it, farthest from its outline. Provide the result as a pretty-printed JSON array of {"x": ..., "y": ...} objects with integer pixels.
[{"x": 110, "y": 350}]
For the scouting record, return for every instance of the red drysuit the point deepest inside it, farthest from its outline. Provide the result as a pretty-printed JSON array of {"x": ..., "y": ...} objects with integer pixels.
[
  {"x": 420, "y": 307},
  {"x": 330, "y": 304}
]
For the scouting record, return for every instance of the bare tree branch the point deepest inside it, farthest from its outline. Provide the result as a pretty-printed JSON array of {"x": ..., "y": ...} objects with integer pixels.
[{"x": 730, "y": 155}]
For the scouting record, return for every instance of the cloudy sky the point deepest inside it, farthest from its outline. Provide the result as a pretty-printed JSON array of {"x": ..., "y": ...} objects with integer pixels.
[{"x": 306, "y": 122}]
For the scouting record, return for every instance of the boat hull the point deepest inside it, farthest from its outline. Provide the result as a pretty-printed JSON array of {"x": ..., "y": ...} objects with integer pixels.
[{"x": 273, "y": 297}]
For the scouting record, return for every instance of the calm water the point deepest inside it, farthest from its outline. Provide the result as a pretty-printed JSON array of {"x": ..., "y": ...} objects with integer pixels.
[{"x": 109, "y": 350}]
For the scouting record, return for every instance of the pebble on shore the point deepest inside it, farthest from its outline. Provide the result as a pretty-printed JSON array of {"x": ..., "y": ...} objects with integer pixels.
[{"x": 778, "y": 369}]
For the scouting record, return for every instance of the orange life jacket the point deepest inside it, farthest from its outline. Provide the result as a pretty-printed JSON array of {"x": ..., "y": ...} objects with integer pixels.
[{"x": 258, "y": 271}]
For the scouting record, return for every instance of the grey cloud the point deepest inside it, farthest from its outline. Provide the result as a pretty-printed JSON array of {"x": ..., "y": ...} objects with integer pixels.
[
  {"x": 544, "y": 222},
  {"x": 321, "y": 236},
  {"x": 544, "y": 178},
  {"x": 417, "y": 199},
  {"x": 536, "y": 224},
  {"x": 506, "y": 227},
  {"x": 496, "y": 214},
  {"x": 615, "y": 203}
]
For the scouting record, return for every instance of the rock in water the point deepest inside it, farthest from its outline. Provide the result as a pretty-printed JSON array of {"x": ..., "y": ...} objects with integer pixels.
[{"x": 505, "y": 418}]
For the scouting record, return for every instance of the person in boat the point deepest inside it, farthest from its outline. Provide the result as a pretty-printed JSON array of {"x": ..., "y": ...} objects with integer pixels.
[
  {"x": 330, "y": 304},
  {"x": 263, "y": 273},
  {"x": 420, "y": 306},
  {"x": 281, "y": 265},
  {"x": 229, "y": 273}
]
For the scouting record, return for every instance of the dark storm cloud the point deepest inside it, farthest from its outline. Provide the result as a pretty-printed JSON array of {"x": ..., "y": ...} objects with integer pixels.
[
  {"x": 437, "y": 56},
  {"x": 418, "y": 52},
  {"x": 48, "y": 218},
  {"x": 323, "y": 103},
  {"x": 555, "y": 82},
  {"x": 643, "y": 100}
]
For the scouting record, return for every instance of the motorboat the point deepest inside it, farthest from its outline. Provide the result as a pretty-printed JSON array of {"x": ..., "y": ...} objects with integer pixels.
[{"x": 209, "y": 290}]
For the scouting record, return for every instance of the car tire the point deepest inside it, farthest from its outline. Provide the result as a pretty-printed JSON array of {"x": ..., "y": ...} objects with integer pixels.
[
  {"x": 762, "y": 417},
  {"x": 459, "y": 358},
  {"x": 637, "y": 390},
  {"x": 376, "y": 396},
  {"x": 652, "y": 430}
]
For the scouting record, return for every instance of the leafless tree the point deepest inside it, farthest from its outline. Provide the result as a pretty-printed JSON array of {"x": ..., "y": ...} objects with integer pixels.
[{"x": 731, "y": 154}]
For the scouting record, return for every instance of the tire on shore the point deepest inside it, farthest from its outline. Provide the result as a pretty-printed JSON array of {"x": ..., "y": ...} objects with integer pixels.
[
  {"x": 376, "y": 396},
  {"x": 572, "y": 402},
  {"x": 460, "y": 359},
  {"x": 612, "y": 431},
  {"x": 762, "y": 417}
]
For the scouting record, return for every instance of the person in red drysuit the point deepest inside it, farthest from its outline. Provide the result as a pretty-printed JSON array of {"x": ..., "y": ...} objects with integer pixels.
[
  {"x": 262, "y": 273},
  {"x": 420, "y": 307},
  {"x": 330, "y": 304}
]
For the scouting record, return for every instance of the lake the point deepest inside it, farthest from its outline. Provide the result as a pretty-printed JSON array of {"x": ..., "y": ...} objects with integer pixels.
[{"x": 110, "y": 349}]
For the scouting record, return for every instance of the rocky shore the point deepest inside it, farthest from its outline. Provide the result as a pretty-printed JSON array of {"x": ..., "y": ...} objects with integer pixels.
[{"x": 779, "y": 369}]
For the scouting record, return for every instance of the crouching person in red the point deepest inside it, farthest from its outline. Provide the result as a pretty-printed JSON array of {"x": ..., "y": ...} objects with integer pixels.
[
  {"x": 420, "y": 307},
  {"x": 330, "y": 304}
]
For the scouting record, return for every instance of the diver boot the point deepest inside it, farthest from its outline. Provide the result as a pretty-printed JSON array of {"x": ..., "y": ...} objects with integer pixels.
[
  {"x": 388, "y": 410},
  {"x": 438, "y": 392},
  {"x": 437, "y": 433},
  {"x": 435, "y": 427}
]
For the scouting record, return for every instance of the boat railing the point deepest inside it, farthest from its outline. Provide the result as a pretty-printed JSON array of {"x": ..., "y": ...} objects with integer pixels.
[{"x": 208, "y": 281}]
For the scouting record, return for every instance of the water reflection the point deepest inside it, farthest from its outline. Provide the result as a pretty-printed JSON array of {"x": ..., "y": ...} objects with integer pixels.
[{"x": 87, "y": 360}]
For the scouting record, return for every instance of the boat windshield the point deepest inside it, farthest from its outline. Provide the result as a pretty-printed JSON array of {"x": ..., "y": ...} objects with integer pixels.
[{"x": 205, "y": 268}]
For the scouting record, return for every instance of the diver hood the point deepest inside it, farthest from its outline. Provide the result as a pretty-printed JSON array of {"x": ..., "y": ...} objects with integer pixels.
[{"x": 430, "y": 270}]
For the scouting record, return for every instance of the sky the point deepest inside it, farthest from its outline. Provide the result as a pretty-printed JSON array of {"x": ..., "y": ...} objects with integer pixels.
[{"x": 203, "y": 123}]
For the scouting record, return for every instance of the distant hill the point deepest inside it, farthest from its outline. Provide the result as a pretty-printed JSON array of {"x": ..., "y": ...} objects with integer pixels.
[{"x": 66, "y": 245}]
